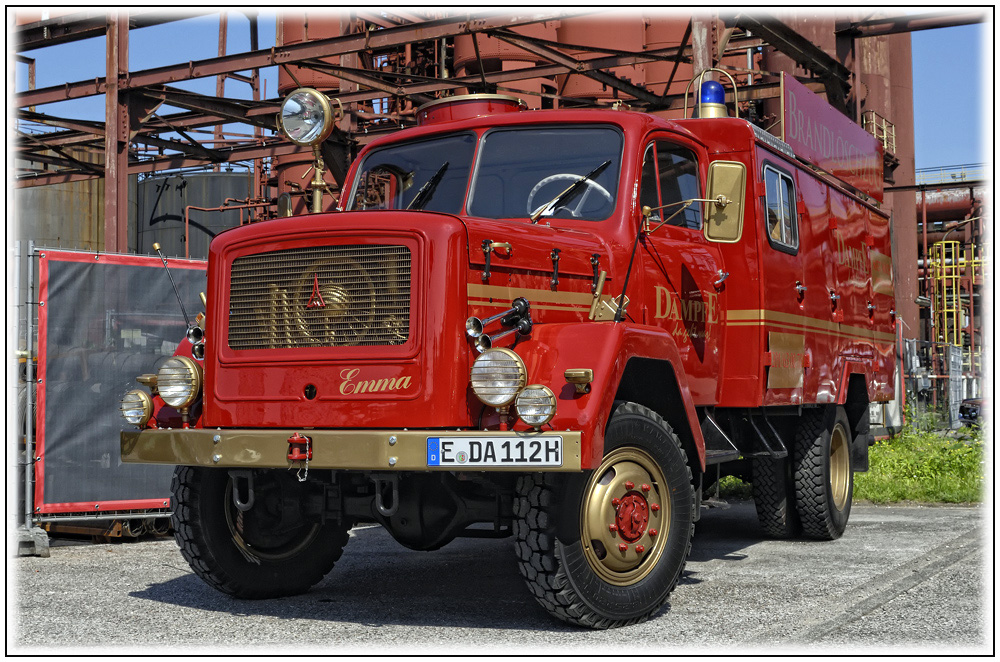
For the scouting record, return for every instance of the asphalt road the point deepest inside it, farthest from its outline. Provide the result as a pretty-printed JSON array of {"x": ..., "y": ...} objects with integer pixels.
[{"x": 901, "y": 580}]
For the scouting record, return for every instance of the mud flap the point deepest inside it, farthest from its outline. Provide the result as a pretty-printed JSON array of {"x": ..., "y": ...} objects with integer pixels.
[{"x": 861, "y": 441}]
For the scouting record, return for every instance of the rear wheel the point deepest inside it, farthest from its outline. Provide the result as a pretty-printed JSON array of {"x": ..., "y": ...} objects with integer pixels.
[
  {"x": 824, "y": 479},
  {"x": 269, "y": 549},
  {"x": 606, "y": 548},
  {"x": 773, "y": 497}
]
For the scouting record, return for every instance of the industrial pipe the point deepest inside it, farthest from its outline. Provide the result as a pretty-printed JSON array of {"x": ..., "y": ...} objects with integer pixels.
[
  {"x": 223, "y": 207},
  {"x": 949, "y": 204}
]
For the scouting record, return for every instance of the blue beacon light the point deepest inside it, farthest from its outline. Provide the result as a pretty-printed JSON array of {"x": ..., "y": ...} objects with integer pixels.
[
  {"x": 712, "y": 92},
  {"x": 712, "y": 100}
]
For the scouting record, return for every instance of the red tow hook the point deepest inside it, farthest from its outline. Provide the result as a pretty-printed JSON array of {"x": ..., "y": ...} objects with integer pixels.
[{"x": 299, "y": 448}]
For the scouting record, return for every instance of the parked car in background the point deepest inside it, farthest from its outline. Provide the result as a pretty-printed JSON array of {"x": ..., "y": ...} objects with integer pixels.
[{"x": 969, "y": 411}]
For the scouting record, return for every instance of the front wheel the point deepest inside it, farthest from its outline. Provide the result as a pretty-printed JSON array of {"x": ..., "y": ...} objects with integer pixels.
[
  {"x": 265, "y": 549},
  {"x": 605, "y": 549}
]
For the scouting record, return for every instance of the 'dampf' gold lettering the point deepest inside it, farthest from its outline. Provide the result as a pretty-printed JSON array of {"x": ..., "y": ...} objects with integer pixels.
[{"x": 686, "y": 310}]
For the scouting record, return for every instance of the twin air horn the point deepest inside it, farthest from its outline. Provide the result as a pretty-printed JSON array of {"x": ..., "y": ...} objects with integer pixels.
[{"x": 517, "y": 316}]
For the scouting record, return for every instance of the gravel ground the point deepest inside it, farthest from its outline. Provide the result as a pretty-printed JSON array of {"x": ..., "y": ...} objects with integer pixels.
[{"x": 901, "y": 580}]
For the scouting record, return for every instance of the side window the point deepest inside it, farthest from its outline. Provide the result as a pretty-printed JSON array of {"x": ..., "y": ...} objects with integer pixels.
[
  {"x": 670, "y": 176},
  {"x": 779, "y": 201}
]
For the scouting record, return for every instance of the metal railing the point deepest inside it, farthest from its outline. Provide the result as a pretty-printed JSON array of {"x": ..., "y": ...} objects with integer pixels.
[
  {"x": 881, "y": 128},
  {"x": 949, "y": 174}
]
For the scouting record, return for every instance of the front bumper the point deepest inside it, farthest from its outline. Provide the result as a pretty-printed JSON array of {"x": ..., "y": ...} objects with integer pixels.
[{"x": 360, "y": 450}]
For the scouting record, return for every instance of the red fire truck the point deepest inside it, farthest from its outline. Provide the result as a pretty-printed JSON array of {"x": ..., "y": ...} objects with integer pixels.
[{"x": 559, "y": 326}]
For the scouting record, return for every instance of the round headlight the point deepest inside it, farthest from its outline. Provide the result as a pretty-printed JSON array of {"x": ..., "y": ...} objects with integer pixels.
[
  {"x": 137, "y": 407},
  {"x": 306, "y": 116},
  {"x": 536, "y": 405},
  {"x": 179, "y": 381},
  {"x": 497, "y": 376}
]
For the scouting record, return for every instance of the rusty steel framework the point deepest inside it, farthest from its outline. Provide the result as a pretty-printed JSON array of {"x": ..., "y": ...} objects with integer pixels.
[{"x": 136, "y": 138}]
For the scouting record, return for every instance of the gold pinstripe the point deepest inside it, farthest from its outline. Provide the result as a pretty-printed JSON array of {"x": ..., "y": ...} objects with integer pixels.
[
  {"x": 575, "y": 301},
  {"x": 802, "y": 323},
  {"x": 506, "y": 294}
]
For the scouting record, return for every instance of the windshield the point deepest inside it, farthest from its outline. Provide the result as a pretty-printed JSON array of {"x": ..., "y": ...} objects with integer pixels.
[
  {"x": 523, "y": 170},
  {"x": 529, "y": 172},
  {"x": 428, "y": 174}
]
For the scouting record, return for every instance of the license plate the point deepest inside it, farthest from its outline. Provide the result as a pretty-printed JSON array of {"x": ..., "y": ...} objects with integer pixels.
[{"x": 494, "y": 452}]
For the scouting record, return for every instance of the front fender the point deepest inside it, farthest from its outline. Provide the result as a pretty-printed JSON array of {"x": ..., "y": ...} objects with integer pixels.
[{"x": 605, "y": 348}]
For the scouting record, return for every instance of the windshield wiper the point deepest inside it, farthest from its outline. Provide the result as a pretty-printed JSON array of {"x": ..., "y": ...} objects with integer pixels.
[
  {"x": 565, "y": 195},
  {"x": 427, "y": 190}
]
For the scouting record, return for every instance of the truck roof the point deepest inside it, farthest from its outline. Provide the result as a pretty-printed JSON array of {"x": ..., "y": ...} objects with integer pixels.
[{"x": 629, "y": 121}]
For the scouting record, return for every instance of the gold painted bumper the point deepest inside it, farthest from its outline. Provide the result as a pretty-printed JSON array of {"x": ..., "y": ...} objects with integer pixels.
[{"x": 367, "y": 450}]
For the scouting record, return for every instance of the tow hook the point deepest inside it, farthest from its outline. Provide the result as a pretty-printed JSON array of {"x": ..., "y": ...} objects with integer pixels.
[
  {"x": 393, "y": 483},
  {"x": 299, "y": 448},
  {"x": 242, "y": 484}
]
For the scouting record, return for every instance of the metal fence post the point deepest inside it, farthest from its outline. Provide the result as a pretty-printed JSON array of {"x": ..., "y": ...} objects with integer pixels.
[{"x": 32, "y": 540}]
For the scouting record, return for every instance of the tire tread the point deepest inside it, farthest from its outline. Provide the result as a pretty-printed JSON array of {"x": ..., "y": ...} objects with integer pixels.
[{"x": 773, "y": 498}]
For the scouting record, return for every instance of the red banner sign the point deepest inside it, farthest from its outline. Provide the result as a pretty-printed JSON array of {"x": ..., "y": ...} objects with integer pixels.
[{"x": 823, "y": 136}]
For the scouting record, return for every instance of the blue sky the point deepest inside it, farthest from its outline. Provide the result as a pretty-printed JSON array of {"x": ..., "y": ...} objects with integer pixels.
[
  {"x": 948, "y": 96},
  {"x": 950, "y": 70}
]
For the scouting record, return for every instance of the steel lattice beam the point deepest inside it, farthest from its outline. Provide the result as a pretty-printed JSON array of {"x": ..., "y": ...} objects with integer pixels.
[
  {"x": 85, "y": 25},
  {"x": 139, "y": 90},
  {"x": 898, "y": 24},
  {"x": 289, "y": 54}
]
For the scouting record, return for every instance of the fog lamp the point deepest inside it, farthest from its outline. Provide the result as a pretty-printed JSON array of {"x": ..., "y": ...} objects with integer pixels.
[
  {"x": 179, "y": 381},
  {"x": 536, "y": 405},
  {"x": 497, "y": 376},
  {"x": 137, "y": 407}
]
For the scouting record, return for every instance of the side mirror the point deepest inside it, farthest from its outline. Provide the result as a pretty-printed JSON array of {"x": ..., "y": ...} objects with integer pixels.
[{"x": 727, "y": 182}]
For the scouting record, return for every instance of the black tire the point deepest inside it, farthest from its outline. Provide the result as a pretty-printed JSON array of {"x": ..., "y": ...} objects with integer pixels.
[
  {"x": 262, "y": 553},
  {"x": 562, "y": 526},
  {"x": 823, "y": 475},
  {"x": 774, "y": 497}
]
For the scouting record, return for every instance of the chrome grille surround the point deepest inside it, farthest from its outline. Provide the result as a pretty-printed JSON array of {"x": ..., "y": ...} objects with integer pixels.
[{"x": 320, "y": 296}]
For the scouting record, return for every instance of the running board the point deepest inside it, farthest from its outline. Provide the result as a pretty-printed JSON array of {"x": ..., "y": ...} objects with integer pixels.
[{"x": 719, "y": 447}]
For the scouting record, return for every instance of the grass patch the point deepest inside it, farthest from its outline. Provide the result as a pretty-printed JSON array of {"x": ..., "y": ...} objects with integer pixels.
[{"x": 924, "y": 466}]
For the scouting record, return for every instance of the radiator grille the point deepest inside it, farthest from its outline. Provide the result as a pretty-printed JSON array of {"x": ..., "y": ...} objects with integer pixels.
[{"x": 324, "y": 296}]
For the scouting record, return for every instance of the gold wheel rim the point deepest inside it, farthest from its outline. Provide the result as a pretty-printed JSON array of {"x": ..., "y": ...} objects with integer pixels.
[
  {"x": 840, "y": 467},
  {"x": 625, "y": 518}
]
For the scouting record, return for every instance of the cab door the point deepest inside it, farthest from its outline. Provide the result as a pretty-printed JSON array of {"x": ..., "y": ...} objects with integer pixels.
[{"x": 681, "y": 269}]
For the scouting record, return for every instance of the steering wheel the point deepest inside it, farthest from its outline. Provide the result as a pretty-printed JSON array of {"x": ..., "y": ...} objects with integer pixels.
[{"x": 569, "y": 178}]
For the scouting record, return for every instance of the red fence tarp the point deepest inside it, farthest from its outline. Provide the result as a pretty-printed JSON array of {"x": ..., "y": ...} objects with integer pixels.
[{"x": 103, "y": 320}]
